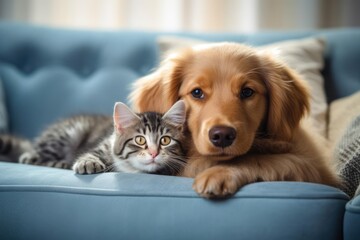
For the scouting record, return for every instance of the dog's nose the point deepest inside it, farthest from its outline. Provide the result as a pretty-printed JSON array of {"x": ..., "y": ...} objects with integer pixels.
[{"x": 222, "y": 136}]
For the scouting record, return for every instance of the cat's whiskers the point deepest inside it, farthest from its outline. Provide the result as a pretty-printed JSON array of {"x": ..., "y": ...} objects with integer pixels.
[
  {"x": 175, "y": 164},
  {"x": 92, "y": 144},
  {"x": 171, "y": 166},
  {"x": 110, "y": 168}
]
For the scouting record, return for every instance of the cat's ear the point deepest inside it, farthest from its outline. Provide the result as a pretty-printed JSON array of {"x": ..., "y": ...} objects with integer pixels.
[
  {"x": 124, "y": 117},
  {"x": 176, "y": 115}
]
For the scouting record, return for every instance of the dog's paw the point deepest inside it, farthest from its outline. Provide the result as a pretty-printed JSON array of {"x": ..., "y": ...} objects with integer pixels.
[
  {"x": 216, "y": 182},
  {"x": 88, "y": 164}
]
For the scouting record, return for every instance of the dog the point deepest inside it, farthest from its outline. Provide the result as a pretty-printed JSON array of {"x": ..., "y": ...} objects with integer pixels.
[{"x": 246, "y": 114}]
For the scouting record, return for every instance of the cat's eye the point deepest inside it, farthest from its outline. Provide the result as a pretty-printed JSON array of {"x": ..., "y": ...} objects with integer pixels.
[
  {"x": 165, "y": 140},
  {"x": 140, "y": 140}
]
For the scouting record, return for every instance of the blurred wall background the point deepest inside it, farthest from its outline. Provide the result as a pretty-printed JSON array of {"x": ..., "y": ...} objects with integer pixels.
[{"x": 185, "y": 15}]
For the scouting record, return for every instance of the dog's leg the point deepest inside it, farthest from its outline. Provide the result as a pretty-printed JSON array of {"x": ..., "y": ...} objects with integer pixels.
[{"x": 226, "y": 178}]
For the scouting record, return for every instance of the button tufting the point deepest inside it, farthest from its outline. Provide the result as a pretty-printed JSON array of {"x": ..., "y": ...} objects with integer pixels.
[
  {"x": 28, "y": 68},
  {"x": 86, "y": 71},
  {"x": 83, "y": 60}
]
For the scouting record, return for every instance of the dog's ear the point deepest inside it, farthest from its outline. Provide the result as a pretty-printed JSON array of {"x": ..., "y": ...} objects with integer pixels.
[
  {"x": 160, "y": 90},
  {"x": 288, "y": 100},
  {"x": 147, "y": 93}
]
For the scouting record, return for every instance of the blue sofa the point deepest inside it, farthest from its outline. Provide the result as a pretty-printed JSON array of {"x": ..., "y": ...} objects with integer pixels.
[{"x": 51, "y": 73}]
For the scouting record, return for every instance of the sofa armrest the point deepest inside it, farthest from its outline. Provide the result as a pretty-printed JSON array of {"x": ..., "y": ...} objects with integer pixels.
[{"x": 352, "y": 219}]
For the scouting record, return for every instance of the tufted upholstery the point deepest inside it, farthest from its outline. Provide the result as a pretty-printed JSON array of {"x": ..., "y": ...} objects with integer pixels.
[
  {"x": 49, "y": 74},
  {"x": 52, "y": 73}
]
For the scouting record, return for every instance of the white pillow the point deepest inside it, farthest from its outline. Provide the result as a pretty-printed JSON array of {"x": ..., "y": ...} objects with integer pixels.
[
  {"x": 304, "y": 55},
  {"x": 341, "y": 112}
]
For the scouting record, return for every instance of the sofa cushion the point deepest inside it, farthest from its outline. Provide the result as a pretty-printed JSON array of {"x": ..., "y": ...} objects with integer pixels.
[
  {"x": 341, "y": 112},
  {"x": 304, "y": 55},
  {"x": 58, "y": 204},
  {"x": 51, "y": 73},
  {"x": 347, "y": 156}
]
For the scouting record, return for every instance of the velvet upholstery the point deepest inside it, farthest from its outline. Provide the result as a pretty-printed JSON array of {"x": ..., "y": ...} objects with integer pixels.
[{"x": 53, "y": 73}]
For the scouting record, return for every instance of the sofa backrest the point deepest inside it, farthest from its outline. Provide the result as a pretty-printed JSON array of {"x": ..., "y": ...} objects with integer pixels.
[{"x": 49, "y": 74}]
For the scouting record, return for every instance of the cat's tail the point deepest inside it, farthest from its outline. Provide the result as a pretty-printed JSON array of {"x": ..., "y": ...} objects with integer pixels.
[{"x": 11, "y": 147}]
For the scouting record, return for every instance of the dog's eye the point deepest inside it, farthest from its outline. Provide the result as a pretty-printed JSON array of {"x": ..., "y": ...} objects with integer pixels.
[
  {"x": 246, "y": 93},
  {"x": 197, "y": 93}
]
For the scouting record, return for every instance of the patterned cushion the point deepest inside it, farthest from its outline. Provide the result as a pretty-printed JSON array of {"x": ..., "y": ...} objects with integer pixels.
[
  {"x": 347, "y": 155},
  {"x": 3, "y": 113},
  {"x": 341, "y": 113}
]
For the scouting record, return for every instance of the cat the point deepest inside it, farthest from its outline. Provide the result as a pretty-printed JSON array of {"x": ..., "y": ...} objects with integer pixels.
[
  {"x": 11, "y": 147},
  {"x": 148, "y": 142}
]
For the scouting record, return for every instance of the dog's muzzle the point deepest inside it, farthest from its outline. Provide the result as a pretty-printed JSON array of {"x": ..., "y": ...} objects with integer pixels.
[{"x": 222, "y": 136}]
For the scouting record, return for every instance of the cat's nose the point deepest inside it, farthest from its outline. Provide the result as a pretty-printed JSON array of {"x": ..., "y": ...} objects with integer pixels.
[
  {"x": 153, "y": 153},
  {"x": 222, "y": 136}
]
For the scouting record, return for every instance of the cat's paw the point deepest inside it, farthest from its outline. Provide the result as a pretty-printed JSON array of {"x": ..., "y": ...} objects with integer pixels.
[
  {"x": 29, "y": 158},
  {"x": 88, "y": 164},
  {"x": 58, "y": 164}
]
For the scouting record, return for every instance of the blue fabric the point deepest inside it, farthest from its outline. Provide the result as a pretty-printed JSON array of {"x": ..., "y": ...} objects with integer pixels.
[
  {"x": 39, "y": 201},
  {"x": 352, "y": 220},
  {"x": 51, "y": 73}
]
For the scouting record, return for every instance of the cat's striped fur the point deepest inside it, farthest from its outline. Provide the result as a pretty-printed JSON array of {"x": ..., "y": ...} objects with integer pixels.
[
  {"x": 11, "y": 147},
  {"x": 147, "y": 142},
  {"x": 62, "y": 142}
]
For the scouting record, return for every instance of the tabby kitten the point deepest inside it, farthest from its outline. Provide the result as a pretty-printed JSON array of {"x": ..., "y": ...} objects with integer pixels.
[
  {"x": 11, "y": 147},
  {"x": 148, "y": 142}
]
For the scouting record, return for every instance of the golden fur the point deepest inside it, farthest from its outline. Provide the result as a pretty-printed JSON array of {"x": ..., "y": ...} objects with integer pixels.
[{"x": 272, "y": 142}]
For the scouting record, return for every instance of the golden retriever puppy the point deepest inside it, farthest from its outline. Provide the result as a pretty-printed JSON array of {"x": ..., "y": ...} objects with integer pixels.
[{"x": 245, "y": 114}]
